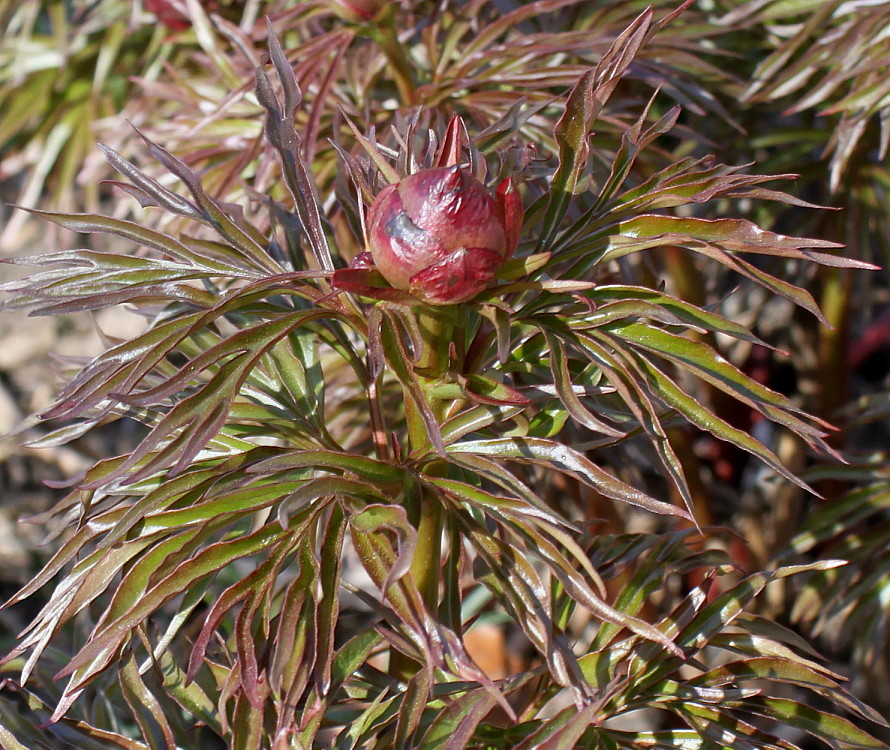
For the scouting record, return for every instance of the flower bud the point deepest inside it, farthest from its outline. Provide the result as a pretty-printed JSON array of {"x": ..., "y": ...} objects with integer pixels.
[
  {"x": 356, "y": 11},
  {"x": 174, "y": 13},
  {"x": 168, "y": 14},
  {"x": 440, "y": 235}
]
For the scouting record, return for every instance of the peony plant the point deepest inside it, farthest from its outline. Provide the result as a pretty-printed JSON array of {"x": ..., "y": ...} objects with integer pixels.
[{"x": 383, "y": 415}]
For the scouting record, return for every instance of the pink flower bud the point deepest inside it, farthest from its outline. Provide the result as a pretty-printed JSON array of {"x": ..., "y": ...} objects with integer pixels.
[
  {"x": 356, "y": 11},
  {"x": 440, "y": 235},
  {"x": 174, "y": 13}
]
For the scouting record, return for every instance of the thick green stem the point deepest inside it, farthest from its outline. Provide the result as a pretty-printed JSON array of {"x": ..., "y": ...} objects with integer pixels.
[
  {"x": 436, "y": 330},
  {"x": 436, "y": 325},
  {"x": 426, "y": 567}
]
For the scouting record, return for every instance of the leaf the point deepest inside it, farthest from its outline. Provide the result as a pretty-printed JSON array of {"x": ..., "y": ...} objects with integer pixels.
[
  {"x": 518, "y": 268},
  {"x": 617, "y": 365},
  {"x": 160, "y": 195},
  {"x": 246, "y": 239},
  {"x": 350, "y": 656},
  {"x": 562, "y": 379},
  {"x": 198, "y": 417},
  {"x": 293, "y": 652},
  {"x": 245, "y": 589},
  {"x": 633, "y": 141},
  {"x": 96, "y": 654},
  {"x": 505, "y": 506},
  {"x": 516, "y": 584},
  {"x": 681, "y": 311},
  {"x": 329, "y": 601},
  {"x": 730, "y": 605},
  {"x": 414, "y": 700},
  {"x": 492, "y": 392},
  {"x": 146, "y": 709},
  {"x": 190, "y": 697},
  {"x": 454, "y": 727},
  {"x": 563, "y": 731},
  {"x": 88, "y": 223},
  {"x": 834, "y": 730},
  {"x": 705, "y": 419},
  {"x": 9, "y": 742},
  {"x": 720, "y": 239},
  {"x": 578, "y": 588},
  {"x": 378, "y": 559},
  {"x": 787, "y": 671},
  {"x": 705, "y": 363},
  {"x": 583, "y": 106},
  {"x": 476, "y": 419},
  {"x": 399, "y": 361},
  {"x": 841, "y": 514},
  {"x": 566, "y": 459},
  {"x": 369, "y": 469},
  {"x": 282, "y": 134},
  {"x": 78, "y": 733},
  {"x": 247, "y": 721},
  {"x": 313, "y": 489},
  {"x": 373, "y": 150},
  {"x": 374, "y": 518}
]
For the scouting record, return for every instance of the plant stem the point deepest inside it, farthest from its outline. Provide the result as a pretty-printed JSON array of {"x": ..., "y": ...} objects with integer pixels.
[
  {"x": 426, "y": 567},
  {"x": 436, "y": 325}
]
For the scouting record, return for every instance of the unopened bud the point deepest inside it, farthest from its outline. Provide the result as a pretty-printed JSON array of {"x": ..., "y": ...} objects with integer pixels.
[
  {"x": 356, "y": 11},
  {"x": 174, "y": 13},
  {"x": 441, "y": 235}
]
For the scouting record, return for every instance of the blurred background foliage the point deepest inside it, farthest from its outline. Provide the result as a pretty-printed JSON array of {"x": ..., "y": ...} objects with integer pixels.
[{"x": 788, "y": 86}]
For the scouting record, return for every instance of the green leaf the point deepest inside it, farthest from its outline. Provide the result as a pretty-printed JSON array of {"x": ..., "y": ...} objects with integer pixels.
[
  {"x": 617, "y": 364},
  {"x": 834, "y": 730},
  {"x": 398, "y": 360},
  {"x": 563, "y": 458},
  {"x": 128, "y": 230},
  {"x": 518, "y": 268},
  {"x": 351, "y": 655},
  {"x": 562, "y": 379},
  {"x": 705, "y": 419},
  {"x": 559, "y": 565},
  {"x": 668, "y": 739},
  {"x": 146, "y": 709},
  {"x": 730, "y": 605},
  {"x": 563, "y": 731},
  {"x": 247, "y": 725},
  {"x": 189, "y": 695},
  {"x": 585, "y": 102},
  {"x": 329, "y": 601},
  {"x": 96, "y": 654},
  {"x": 414, "y": 702},
  {"x": 282, "y": 133},
  {"x": 703, "y": 361},
  {"x": 476, "y": 419},
  {"x": 787, "y": 671},
  {"x": 454, "y": 727},
  {"x": 681, "y": 311},
  {"x": 841, "y": 514},
  {"x": 373, "y": 519},
  {"x": 365, "y": 468}
]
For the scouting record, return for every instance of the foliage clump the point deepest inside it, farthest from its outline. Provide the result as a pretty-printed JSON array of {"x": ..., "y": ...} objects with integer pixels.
[{"x": 319, "y": 440}]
